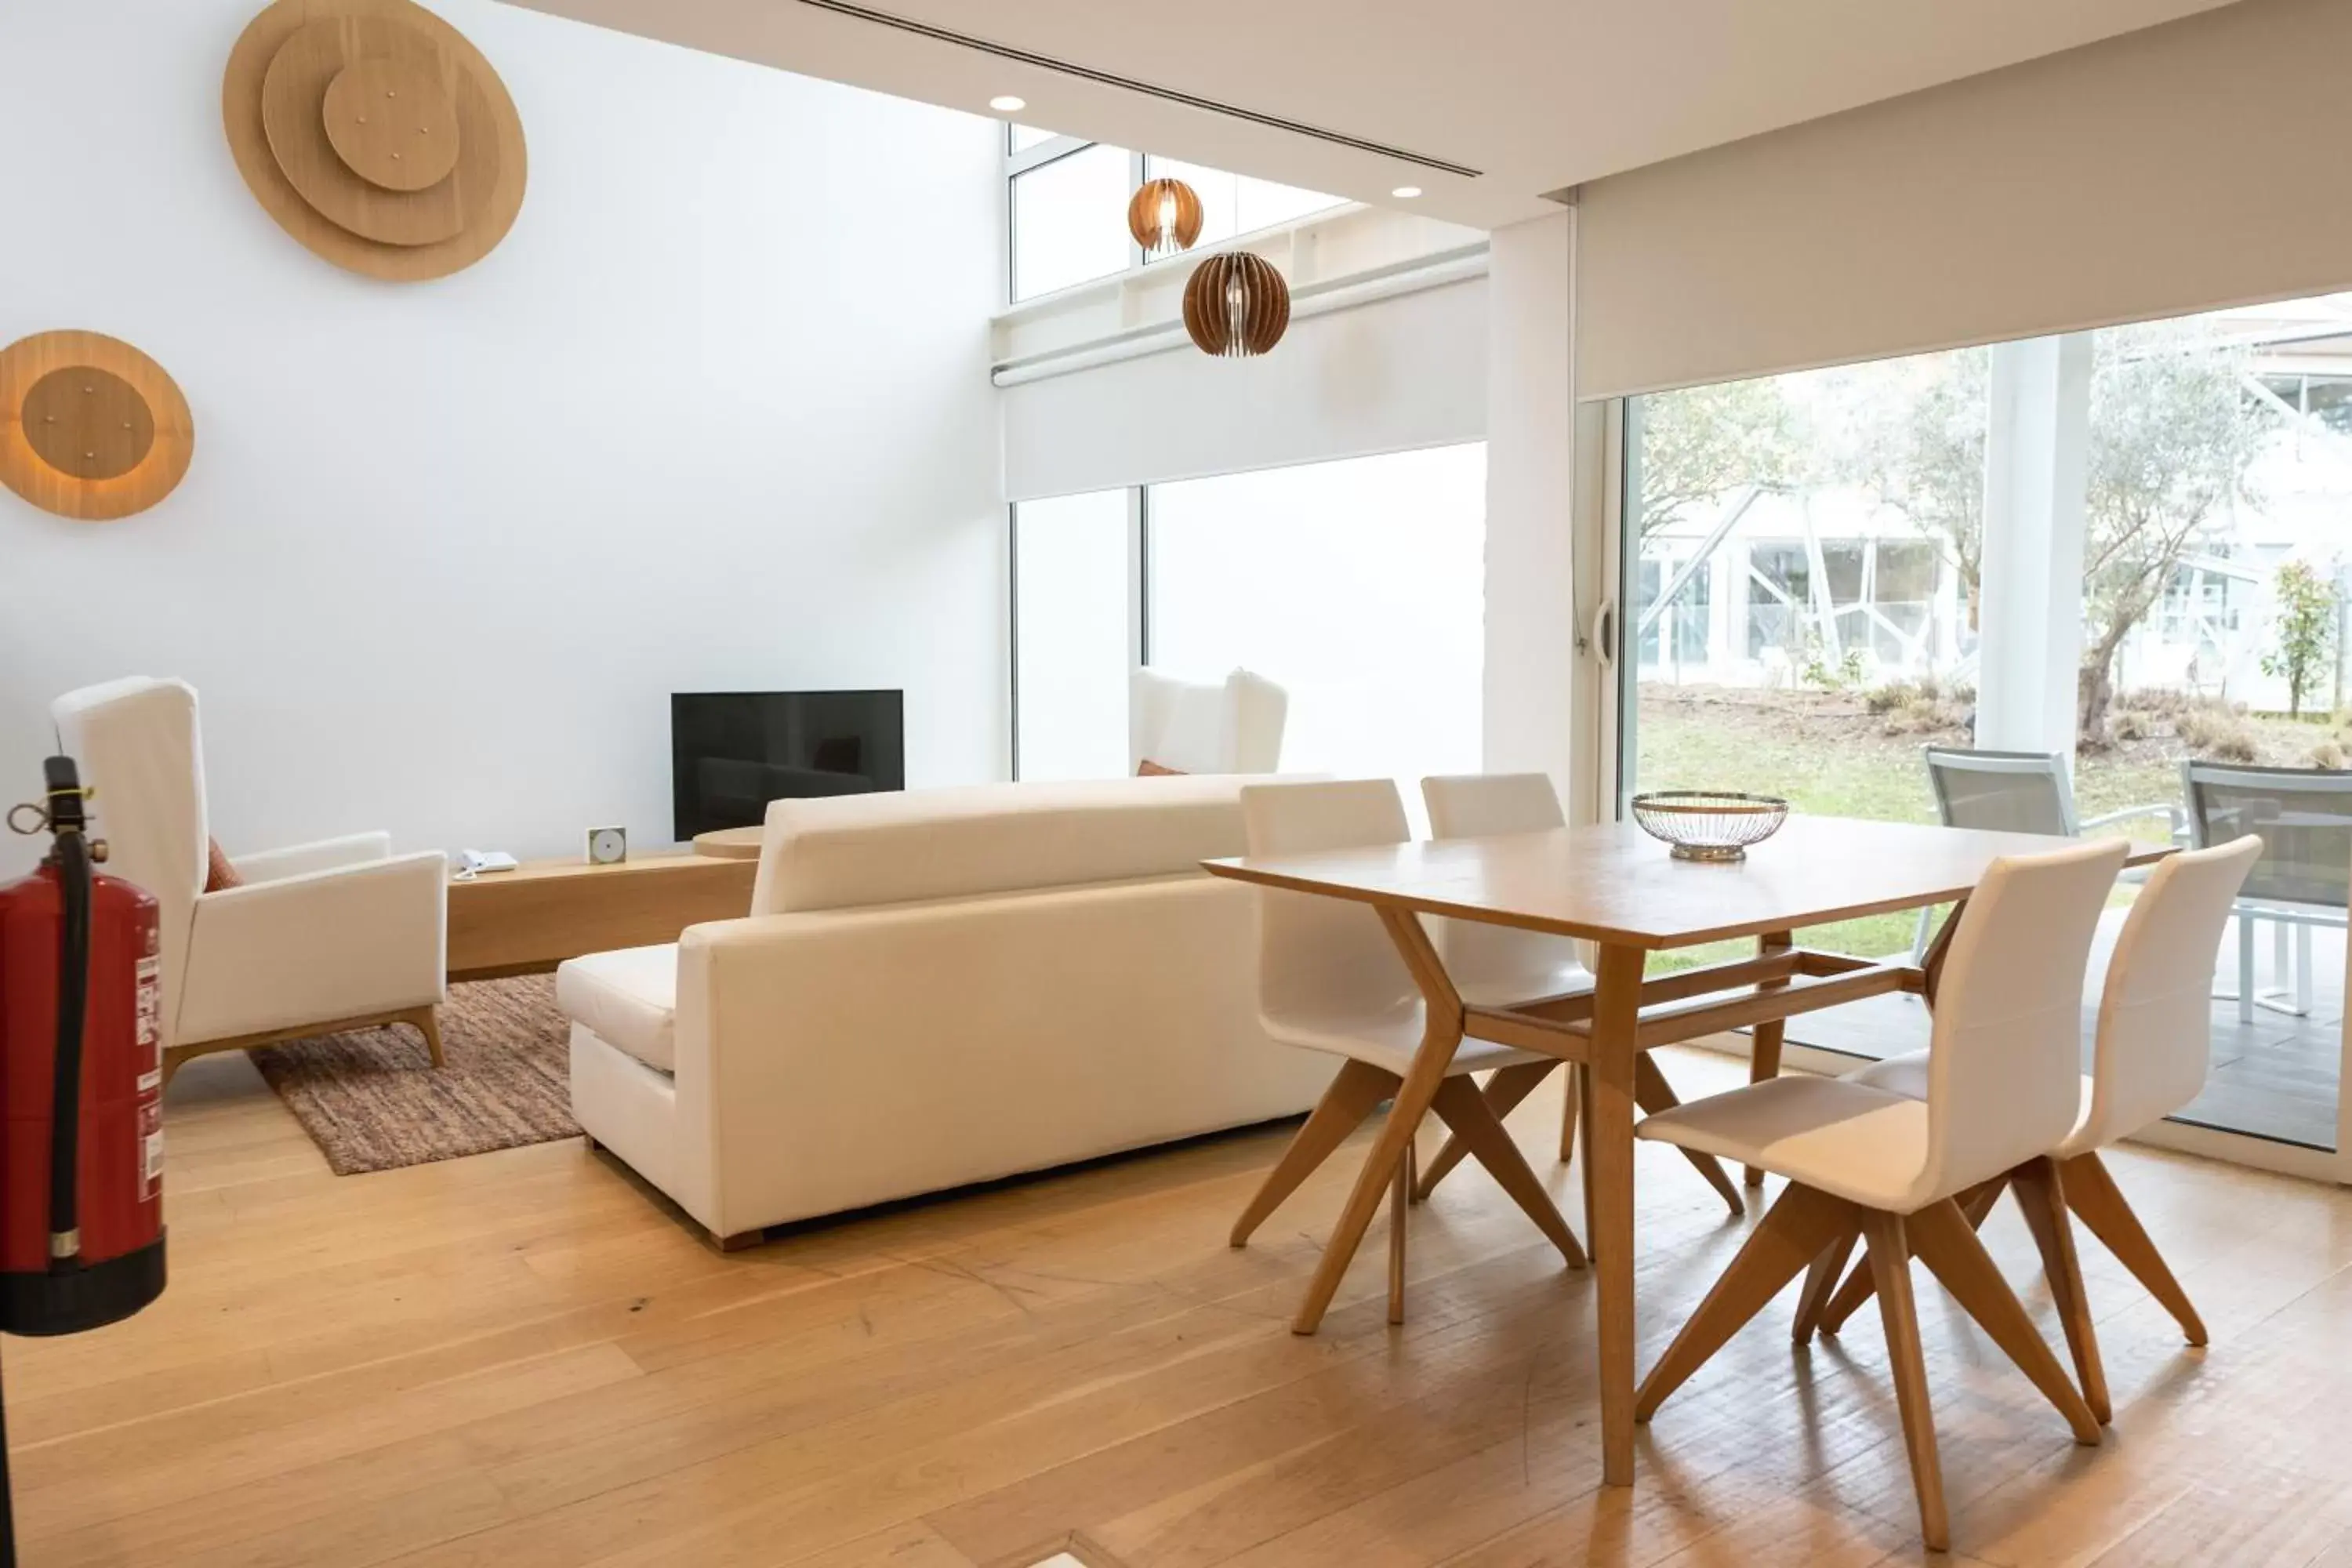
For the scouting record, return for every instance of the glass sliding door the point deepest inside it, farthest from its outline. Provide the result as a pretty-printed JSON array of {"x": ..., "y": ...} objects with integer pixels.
[
  {"x": 1827, "y": 571},
  {"x": 1071, "y": 644},
  {"x": 1796, "y": 593},
  {"x": 1306, "y": 575}
]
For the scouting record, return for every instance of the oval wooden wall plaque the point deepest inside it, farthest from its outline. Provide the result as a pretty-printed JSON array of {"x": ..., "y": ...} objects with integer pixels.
[
  {"x": 91, "y": 427},
  {"x": 375, "y": 134}
]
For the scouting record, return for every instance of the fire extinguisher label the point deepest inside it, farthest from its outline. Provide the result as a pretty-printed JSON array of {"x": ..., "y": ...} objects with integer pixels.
[
  {"x": 151, "y": 1152},
  {"x": 151, "y": 1023}
]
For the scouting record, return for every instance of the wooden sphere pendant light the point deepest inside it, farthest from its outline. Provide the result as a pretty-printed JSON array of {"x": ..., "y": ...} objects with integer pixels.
[
  {"x": 1165, "y": 217},
  {"x": 1235, "y": 305}
]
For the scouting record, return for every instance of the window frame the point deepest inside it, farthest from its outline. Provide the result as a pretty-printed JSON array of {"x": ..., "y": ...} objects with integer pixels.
[{"x": 1028, "y": 160}]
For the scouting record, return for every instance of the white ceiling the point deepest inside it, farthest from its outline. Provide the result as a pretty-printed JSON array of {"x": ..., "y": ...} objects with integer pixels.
[{"x": 1536, "y": 94}]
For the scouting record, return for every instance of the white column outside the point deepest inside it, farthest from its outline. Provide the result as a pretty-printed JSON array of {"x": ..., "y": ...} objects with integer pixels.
[{"x": 2031, "y": 619}]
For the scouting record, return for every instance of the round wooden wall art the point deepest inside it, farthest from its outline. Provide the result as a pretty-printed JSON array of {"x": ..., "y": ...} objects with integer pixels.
[
  {"x": 375, "y": 134},
  {"x": 90, "y": 427}
]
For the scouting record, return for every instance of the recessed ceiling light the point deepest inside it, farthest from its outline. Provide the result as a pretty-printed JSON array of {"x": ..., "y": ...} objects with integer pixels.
[
  {"x": 1405, "y": 192},
  {"x": 1005, "y": 103}
]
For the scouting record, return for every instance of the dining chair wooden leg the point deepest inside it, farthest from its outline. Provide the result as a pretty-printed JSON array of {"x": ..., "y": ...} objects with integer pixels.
[
  {"x": 1571, "y": 1103},
  {"x": 1351, "y": 1097},
  {"x": 1441, "y": 1037},
  {"x": 2091, "y": 1193},
  {"x": 1654, "y": 1095},
  {"x": 1890, "y": 1268},
  {"x": 1400, "y": 1204},
  {"x": 1466, "y": 1110},
  {"x": 2036, "y": 1182},
  {"x": 1820, "y": 1280},
  {"x": 1975, "y": 1204},
  {"x": 1506, "y": 1087},
  {"x": 1940, "y": 1236},
  {"x": 1796, "y": 1230},
  {"x": 1765, "y": 1039}
]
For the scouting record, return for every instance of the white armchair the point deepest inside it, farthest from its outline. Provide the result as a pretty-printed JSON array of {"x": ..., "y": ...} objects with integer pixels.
[
  {"x": 333, "y": 935},
  {"x": 1233, "y": 727}
]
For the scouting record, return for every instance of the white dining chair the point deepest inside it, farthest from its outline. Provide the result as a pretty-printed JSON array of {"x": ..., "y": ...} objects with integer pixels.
[
  {"x": 1330, "y": 980},
  {"x": 2002, "y": 1093},
  {"x": 1499, "y": 966},
  {"x": 2149, "y": 1058}
]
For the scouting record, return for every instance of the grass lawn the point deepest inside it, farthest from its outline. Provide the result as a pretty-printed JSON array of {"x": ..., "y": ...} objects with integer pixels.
[{"x": 1828, "y": 754}]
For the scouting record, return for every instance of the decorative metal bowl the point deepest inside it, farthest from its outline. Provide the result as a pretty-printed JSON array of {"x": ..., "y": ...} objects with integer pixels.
[{"x": 1710, "y": 825}]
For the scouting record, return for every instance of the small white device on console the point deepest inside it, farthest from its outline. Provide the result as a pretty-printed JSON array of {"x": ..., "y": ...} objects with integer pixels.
[
  {"x": 608, "y": 846},
  {"x": 472, "y": 863}
]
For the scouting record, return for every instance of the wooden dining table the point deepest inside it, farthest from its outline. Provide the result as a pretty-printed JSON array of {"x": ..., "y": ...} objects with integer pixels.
[{"x": 1615, "y": 887}]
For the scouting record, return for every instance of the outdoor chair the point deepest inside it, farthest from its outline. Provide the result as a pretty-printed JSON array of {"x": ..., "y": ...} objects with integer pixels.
[
  {"x": 2014, "y": 792},
  {"x": 2305, "y": 818}
]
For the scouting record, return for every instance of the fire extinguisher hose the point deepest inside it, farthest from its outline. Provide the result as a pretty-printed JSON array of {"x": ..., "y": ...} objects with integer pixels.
[{"x": 72, "y": 853}]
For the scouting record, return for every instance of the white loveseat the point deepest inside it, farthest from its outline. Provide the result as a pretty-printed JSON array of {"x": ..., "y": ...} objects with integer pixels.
[{"x": 935, "y": 988}]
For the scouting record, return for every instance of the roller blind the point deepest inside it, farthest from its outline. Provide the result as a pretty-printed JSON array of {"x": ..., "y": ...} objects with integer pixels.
[
  {"x": 1409, "y": 370},
  {"x": 2183, "y": 168}
]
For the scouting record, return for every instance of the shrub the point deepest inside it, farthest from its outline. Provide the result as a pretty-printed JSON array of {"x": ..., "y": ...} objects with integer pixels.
[{"x": 2217, "y": 732}]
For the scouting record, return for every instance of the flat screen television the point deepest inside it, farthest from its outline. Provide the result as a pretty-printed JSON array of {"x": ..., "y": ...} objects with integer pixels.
[{"x": 732, "y": 752}]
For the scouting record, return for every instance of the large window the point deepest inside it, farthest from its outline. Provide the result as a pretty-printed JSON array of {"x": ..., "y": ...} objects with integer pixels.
[
  {"x": 1305, "y": 576},
  {"x": 1065, "y": 207},
  {"x": 1813, "y": 599},
  {"x": 1237, "y": 204},
  {"x": 1300, "y": 574},
  {"x": 1071, "y": 644},
  {"x": 1069, "y": 220}
]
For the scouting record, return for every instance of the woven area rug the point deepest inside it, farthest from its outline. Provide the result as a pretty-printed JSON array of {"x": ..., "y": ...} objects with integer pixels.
[{"x": 372, "y": 1101}]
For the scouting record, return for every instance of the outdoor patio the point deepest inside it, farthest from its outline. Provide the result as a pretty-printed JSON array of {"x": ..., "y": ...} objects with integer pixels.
[{"x": 2275, "y": 1077}]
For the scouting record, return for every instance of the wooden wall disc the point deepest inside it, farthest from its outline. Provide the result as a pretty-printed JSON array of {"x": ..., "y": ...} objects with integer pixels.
[
  {"x": 91, "y": 427},
  {"x": 392, "y": 122},
  {"x": 375, "y": 134},
  {"x": 88, "y": 421},
  {"x": 293, "y": 115}
]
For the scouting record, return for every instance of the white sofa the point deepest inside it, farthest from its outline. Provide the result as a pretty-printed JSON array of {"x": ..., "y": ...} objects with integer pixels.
[{"x": 935, "y": 988}]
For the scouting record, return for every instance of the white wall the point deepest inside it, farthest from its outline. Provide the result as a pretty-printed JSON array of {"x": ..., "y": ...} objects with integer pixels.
[
  {"x": 1406, "y": 371},
  {"x": 716, "y": 415}
]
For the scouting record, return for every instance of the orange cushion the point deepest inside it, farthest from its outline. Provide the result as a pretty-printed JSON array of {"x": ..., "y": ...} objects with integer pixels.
[
  {"x": 219, "y": 872},
  {"x": 1148, "y": 769}
]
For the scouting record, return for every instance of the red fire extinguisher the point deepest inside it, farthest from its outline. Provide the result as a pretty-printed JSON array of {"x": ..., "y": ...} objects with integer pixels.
[{"x": 82, "y": 1088}]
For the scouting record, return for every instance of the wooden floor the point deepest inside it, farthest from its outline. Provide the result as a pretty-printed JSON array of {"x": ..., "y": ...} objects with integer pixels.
[{"x": 520, "y": 1360}]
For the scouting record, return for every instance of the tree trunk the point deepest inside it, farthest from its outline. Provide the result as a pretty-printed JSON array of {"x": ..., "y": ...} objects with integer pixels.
[{"x": 2096, "y": 686}]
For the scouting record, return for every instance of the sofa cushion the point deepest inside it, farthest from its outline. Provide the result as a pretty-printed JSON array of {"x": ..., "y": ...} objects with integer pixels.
[
  {"x": 628, "y": 998},
  {"x": 848, "y": 851}
]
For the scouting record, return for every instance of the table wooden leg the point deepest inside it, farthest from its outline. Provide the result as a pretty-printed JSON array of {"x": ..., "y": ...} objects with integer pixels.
[
  {"x": 1764, "y": 1058},
  {"x": 1441, "y": 1035},
  {"x": 1933, "y": 965},
  {"x": 1609, "y": 1151}
]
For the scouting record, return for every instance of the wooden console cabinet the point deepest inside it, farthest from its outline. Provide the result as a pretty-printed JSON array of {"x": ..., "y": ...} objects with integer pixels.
[{"x": 529, "y": 920}]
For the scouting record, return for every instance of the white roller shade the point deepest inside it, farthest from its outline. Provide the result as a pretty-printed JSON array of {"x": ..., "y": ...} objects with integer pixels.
[
  {"x": 1409, "y": 370},
  {"x": 2187, "y": 167}
]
